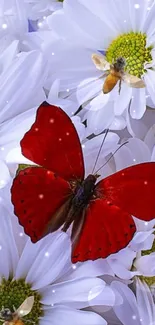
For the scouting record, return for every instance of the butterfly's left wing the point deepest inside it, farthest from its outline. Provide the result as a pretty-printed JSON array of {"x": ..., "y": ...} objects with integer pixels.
[
  {"x": 53, "y": 143},
  {"x": 132, "y": 189},
  {"x": 26, "y": 307},
  {"x": 105, "y": 231},
  {"x": 41, "y": 201}
]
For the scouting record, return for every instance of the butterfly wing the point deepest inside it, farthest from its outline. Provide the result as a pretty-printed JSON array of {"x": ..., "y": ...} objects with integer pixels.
[
  {"x": 100, "y": 62},
  {"x": 38, "y": 196},
  {"x": 133, "y": 81},
  {"x": 52, "y": 142},
  {"x": 106, "y": 230},
  {"x": 108, "y": 225},
  {"x": 132, "y": 189},
  {"x": 26, "y": 307}
]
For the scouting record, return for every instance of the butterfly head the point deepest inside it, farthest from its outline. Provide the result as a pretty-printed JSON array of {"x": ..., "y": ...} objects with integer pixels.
[{"x": 96, "y": 176}]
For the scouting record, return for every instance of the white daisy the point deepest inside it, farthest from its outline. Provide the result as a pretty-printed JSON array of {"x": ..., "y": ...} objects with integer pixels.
[
  {"x": 43, "y": 270},
  {"x": 87, "y": 27},
  {"x": 138, "y": 308}
]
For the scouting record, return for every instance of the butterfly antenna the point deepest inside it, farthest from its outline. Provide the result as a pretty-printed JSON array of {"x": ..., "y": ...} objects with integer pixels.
[
  {"x": 112, "y": 155},
  {"x": 106, "y": 132}
]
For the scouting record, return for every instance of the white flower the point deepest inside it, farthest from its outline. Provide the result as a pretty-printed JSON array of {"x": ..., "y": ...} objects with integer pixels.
[
  {"x": 44, "y": 270},
  {"x": 87, "y": 27},
  {"x": 135, "y": 309}
]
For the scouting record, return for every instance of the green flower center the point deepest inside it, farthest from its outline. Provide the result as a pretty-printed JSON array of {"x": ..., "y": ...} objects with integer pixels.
[
  {"x": 13, "y": 293},
  {"x": 132, "y": 47}
]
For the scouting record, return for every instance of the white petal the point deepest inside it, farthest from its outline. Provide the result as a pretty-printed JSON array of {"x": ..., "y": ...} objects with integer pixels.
[
  {"x": 99, "y": 120},
  {"x": 142, "y": 263},
  {"x": 80, "y": 292},
  {"x": 143, "y": 225},
  {"x": 142, "y": 241},
  {"x": 8, "y": 249},
  {"x": 138, "y": 13},
  {"x": 124, "y": 256},
  {"x": 138, "y": 128},
  {"x": 134, "y": 152},
  {"x": 15, "y": 156},
  {"x": 149, "y": 26},
  {"x": 149, "y": 79},
  {"x": 15, "y": 84},
  {"x": 145, "y": 303},
  {"x": 4, "y": 174},
  {"x": 65, "y": 315},
  {"x": 127, "y": 312},
  {"x": 81, "y": 130},
  {"x": 120, "y": 269},
  {"x": 8, "y": 55},
  {"x": 75, "y": 67},
  {"x": 138, "y": 103},
  {"x": 122, "y": 100},
  {"x": 98, "y": 102},
  {"x": 89, "y": 89},
  {"x": 93, "y": 268},
  {"x": 150, "y": 138},
  {"x": 51, "y": 262},
  {"x": 69, "y": 106},
  {"x": 91, "y": 149},
  {"x": 118, "y": 123}
]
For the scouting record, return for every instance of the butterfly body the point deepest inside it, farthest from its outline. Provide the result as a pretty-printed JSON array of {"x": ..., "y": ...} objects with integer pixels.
[
  {"x": 55, "y": 195},
  {"x": 84, "y": 192}
]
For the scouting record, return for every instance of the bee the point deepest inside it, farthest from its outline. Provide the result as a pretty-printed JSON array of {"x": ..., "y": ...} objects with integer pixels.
[
  {"x": 115, "y": 73},
  {"x": 15, "y": 318}
]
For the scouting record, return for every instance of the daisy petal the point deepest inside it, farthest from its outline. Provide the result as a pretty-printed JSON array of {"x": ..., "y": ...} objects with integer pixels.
[
  {"x": 138, "y": 103},
  {"x": 54, "y": 254},
  {"x": 16, "y": 96},
  {"x": 145, "y": 303},
  {"x": 142, "y": 264},
  {"x": 4, "y": 174},
  {"x": 80, "y": 292},
  {"x": 127, "y": 312},
  {"x": 65, "y": 315}
]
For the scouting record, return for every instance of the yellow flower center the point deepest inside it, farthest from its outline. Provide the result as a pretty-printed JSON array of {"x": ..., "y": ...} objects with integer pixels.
[{"x": 132, "y": 47}]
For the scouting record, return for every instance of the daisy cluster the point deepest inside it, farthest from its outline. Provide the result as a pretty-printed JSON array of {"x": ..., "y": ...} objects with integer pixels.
[{"x": 59, "y": 52}]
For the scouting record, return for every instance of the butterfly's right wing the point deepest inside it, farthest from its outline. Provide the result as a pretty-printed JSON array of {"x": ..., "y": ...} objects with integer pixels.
[
  {"x": 100, "y": 62},
  {"x": 106, "y": 230},
  {"x": 26, "y": 307}
]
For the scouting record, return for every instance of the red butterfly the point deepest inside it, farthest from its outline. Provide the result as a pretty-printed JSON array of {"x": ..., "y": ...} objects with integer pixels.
[{"x": 55, "y": 193}]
